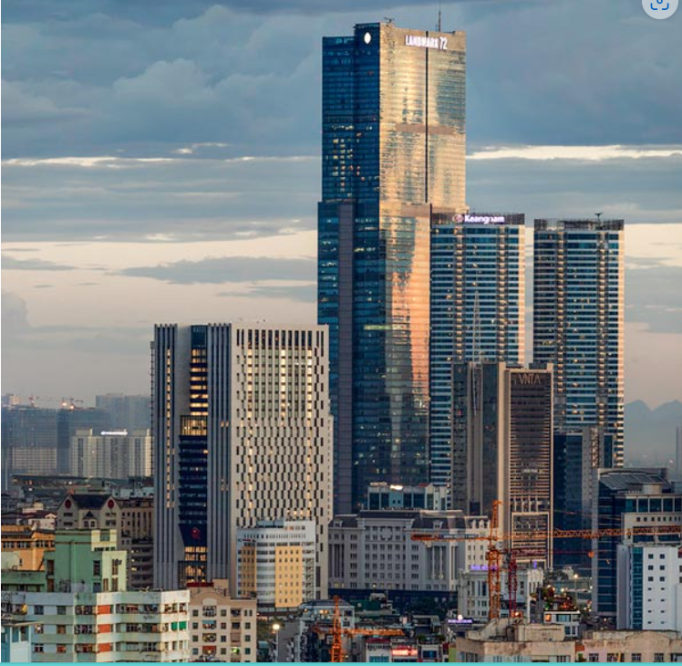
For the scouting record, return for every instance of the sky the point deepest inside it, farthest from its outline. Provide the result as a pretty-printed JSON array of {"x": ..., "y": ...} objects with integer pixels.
[{"x": 161, "y": 163}]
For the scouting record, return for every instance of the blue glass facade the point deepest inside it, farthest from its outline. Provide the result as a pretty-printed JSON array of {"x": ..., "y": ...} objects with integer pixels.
[
  {"x": 477, "y": 312},
  {"x": 392, "y": 149},
  {"x": 578, "y": 323}
]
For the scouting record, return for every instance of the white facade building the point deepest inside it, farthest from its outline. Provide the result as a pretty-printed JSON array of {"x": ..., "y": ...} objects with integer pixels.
[
  {"x": 242, "y": 433},
  {"x": 276, "y": 563},
  {"x": 650, "y": 587},
  {"x": 221, "y": 628},
  {"x": 374, "y": 550},
  {"x": 115, "y": 454}
]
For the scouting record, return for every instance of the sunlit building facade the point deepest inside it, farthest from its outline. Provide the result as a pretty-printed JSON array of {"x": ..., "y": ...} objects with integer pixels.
[{"x": 393, "y": 153}]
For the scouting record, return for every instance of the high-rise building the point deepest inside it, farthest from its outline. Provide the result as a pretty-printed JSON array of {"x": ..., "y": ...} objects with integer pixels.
[
  {"x": 503, "y": 441},
  {"x": 678, "y": 451},
  {"x": 242, "y": 433},
  {"x": 393, "y": 155},
  {"x": 578, "y": 323},
  {"x": 71, "y": 419},
  {"x": 29, "y": 441},
  {"x": 629, "y": 500},
  {"x": 128, "y": 412},
  {"x": 111, "y": 454},
  {"x": 477, "y": 310}
]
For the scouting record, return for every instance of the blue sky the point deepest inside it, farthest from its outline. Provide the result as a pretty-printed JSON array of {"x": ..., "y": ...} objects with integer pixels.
[{"x": 161, "y": 163}]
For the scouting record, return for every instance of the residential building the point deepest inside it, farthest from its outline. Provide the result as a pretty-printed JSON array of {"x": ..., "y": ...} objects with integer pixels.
[
  {"x": 16, "y": 640},
  {"x": 649, "y": 592},
  {"x": 221, "y": 628},
  {"x": 678, "y": 451},
  {"x": 111, "y": 454},
  {"x": 503, "y": 438},
  {"x": 393, "y": 155},
  {"x": 375, "y": 551},
  {"x": 477, "y": 311},
  {"x": 242, "y": 433},
  {"x": 276, "y": 564},
  {"x": 85, "y": 613},
  {"x": 69, "y": 420},
  {"x": 28, "y": 545},
  {"x": 644, "y": 505},
  {"x": 578, "y": 323},
  {"x": 133, "y": 520},
  {"x": 381, "y": 495},
  {"x": 128, "y": 412}
]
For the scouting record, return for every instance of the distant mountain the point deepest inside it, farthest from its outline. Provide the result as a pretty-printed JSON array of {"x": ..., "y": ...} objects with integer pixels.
[{"x": 650, "y": 433}]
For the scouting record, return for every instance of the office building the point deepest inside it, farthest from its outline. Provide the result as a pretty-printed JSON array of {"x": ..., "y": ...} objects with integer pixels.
[
  {"x": 85, "y": 613},
  {"x": 373, "y": 551},
  {"x": 424, "y": 496},
  {"x": 631, "y": 500},
  {"x": 477, "y": 310},
  {"x": 393, "y": 154},
  {"x": 242, "y": 433},
  {"x": 578, "y": 323},
  {"x": 128, "y": 412},
  {"x": 649, "y": 587},
  {"x": 502, "y": 440},
  {"x": 221, "y": 628},
  {"x": 111, "y": 454},
  {"x": 576, "y": 458},
  {"x": 276, "y": 564}
]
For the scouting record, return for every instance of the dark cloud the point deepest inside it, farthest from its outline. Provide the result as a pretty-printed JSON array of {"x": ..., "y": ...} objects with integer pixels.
[{"x": 221, "y": 270}]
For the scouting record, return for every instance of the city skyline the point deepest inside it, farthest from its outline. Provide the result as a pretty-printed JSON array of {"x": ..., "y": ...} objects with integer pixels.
[{"x": 86, "y": 208}]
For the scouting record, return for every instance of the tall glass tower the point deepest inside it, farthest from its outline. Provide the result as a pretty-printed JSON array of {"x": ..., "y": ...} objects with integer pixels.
[
  {"x": 578, "y": 324},
  {"x": 393, "y": 154},
  {"x": 477, "y": 313}
]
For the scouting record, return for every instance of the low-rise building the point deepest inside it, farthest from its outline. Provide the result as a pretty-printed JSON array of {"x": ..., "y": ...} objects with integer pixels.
[
  {"x": 28, "y": 545},
  {"x": 276, "y": 564},
  {"x": 382, "y": 495},
  {"x": 16, "y": 641},
  {"x": 221, "y": 628},
  {"x": 84, "y": 611},
  {"x": 375, "y": 551}
]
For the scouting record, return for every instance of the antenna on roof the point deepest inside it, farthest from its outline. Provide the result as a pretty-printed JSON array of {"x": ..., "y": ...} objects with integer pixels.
[
  {"x": 438, "y": 25},
  {"x": 599, "y": 216},
  {"x": 388, "y": 20}
]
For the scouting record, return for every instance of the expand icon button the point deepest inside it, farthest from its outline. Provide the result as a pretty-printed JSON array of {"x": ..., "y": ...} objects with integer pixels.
[{"x": 660, "y": 9}]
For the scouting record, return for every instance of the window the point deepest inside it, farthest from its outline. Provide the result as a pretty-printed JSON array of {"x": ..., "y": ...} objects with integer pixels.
[
  {"x": 97, "y": 568},
  {"x": 38, "y": 647},
  {"x": 61, "y": 649},
  {"x": 61, "y": 628},
  {"x": 38, "y": 610},
  {"x": 659, "y": 657},
  {"x": 61, "y": 610},
  {"x": 636, "y": 657},
  {"x": 592, "y": 656}
]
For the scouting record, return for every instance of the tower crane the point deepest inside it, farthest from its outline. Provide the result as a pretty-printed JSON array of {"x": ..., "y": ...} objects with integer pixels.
[{"x": 337, "y": 632}]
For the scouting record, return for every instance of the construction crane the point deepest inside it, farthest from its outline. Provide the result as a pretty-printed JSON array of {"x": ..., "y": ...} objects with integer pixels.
[
  {"x": 494, "y": 552},
  {"x": 337, "y": 632}
]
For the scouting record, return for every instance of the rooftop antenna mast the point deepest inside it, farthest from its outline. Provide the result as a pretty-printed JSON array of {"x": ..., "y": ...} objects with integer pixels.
[{"x": 438, "y": 25}]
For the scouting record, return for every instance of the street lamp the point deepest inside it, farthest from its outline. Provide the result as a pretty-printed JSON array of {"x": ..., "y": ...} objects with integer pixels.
[{"x": 276, "y": 627}]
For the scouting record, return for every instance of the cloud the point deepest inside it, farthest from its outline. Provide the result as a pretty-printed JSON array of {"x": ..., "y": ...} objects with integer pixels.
[
  {"x": 221, "y": 270},
  {"x": 302, "y": 293},
  {"x": 10, "y": 263},
  {"x": 14, "y": 316},
  {"x": 582, "y": 153}
]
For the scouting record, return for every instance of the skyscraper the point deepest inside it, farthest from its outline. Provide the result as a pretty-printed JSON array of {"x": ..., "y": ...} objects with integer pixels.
[
  {"x": 503, "y": 443},
  {"x": 242, "y": 434},
  {"x": 578, "y": 324},
  {"x": 393, "y": 154},
  {"x": 477, "y": 310}
]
